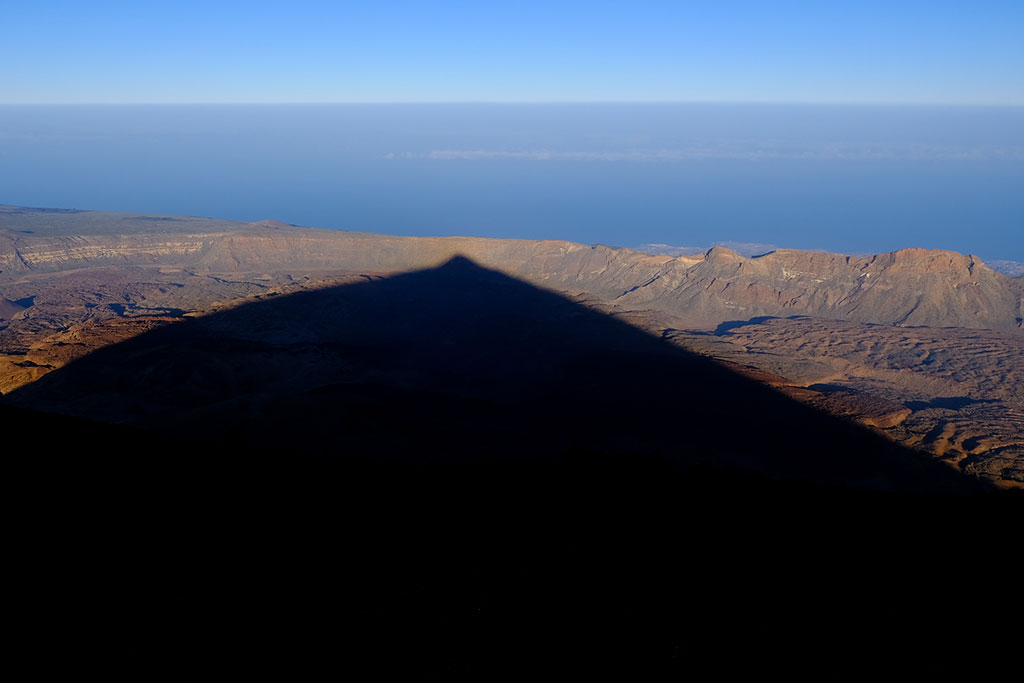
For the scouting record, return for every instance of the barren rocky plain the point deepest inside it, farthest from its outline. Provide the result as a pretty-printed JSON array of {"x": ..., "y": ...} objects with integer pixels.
[{"x": 922, "y": 347}]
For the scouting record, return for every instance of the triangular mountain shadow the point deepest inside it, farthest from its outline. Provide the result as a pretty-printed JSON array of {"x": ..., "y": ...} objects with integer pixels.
[
  {"x": 564, "y": 541},
  {"x": 460, "y": 363}
]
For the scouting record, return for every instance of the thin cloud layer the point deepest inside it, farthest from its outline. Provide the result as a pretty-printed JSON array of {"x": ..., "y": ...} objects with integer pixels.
[{"x": 737, "y": 152}]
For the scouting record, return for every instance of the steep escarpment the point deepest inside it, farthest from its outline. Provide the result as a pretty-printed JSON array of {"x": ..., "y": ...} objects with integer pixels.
[{"x": 907, "y": 287}]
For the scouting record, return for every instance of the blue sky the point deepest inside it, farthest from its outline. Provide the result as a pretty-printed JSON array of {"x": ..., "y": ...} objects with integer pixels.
[{"x": 967, "y": 52}]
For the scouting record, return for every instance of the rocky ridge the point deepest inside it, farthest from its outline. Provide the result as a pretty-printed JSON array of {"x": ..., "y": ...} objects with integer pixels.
[{"x": 907, "y": 287}]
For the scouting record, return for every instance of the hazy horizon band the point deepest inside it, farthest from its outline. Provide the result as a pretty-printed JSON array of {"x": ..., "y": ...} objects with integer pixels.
[{"x": 843, "y": 178}]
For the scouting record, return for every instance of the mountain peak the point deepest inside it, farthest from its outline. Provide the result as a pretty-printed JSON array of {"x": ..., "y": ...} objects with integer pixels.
[{"x": 723, "y": 255}]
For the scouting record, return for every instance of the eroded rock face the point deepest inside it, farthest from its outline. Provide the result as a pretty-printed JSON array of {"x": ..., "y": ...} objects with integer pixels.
[{"x": 908, "y": 287}]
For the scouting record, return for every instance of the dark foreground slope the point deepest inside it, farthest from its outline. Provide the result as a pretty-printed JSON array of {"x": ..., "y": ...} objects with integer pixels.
[
  {"x": 500, "y": 571},
  {"x": 497, "y": 497}
]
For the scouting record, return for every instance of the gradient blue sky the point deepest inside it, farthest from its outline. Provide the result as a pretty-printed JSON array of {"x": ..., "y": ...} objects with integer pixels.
[{"x": 935, "y": 51}]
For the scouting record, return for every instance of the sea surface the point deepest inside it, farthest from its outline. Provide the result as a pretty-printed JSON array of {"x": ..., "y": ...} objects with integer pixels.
[{"x": 852, "y": 179}]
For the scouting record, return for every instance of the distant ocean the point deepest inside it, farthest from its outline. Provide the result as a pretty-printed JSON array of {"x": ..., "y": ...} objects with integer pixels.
[{"x": 854, "y": 179}]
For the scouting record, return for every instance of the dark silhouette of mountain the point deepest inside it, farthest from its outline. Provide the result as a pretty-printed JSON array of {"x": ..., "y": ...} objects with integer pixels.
[
  {"x": 496, "y": 496},
  {"x": 458, "y": 364}
]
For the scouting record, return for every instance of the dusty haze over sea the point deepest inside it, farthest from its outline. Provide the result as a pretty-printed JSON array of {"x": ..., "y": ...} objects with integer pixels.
[{"x": 852, "y": 179}]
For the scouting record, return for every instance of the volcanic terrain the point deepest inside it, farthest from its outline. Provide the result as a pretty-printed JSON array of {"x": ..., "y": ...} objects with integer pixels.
[{"x": 923, "y": 348}]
